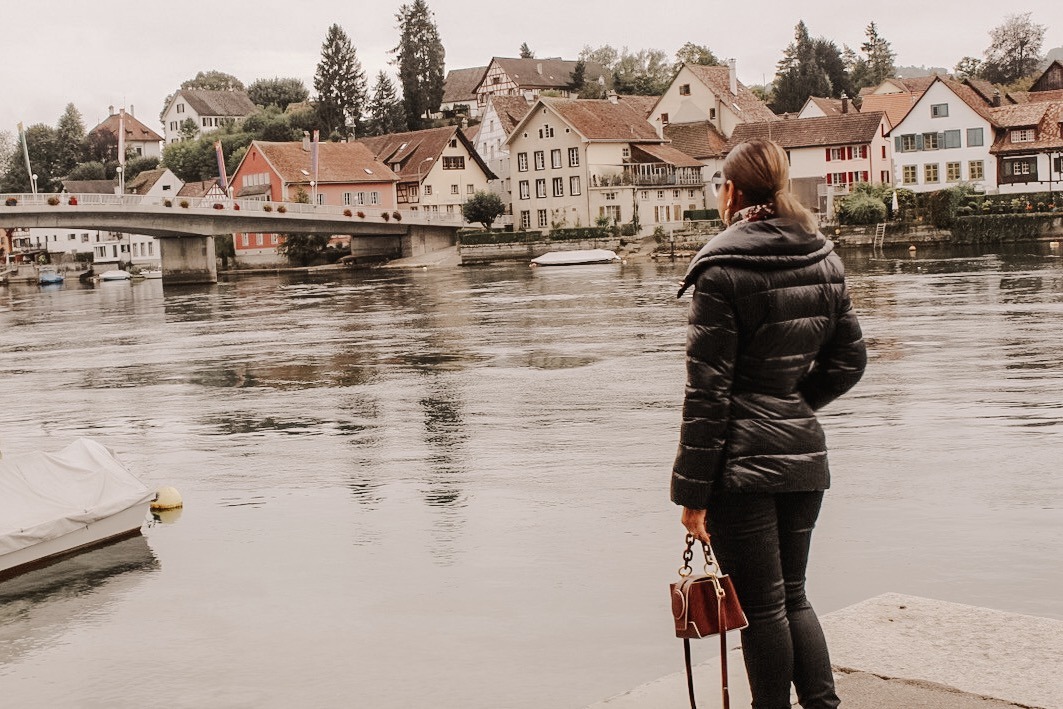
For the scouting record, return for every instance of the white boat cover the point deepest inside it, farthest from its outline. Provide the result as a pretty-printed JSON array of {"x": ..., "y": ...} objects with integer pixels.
[
  {"x": 46, "y": 495},
  {"x": 575, "y": 257}
]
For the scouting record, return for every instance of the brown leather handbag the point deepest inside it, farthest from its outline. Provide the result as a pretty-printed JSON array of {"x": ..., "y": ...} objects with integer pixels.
[{"x": 702, "y": 606}]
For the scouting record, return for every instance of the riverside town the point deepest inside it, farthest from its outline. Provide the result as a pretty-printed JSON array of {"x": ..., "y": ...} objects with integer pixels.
[{"x": 347, "y": 369}]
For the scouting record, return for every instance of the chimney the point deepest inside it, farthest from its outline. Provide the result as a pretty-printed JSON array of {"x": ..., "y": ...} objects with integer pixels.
[
  {"x": 306, "y": 141},
  {"x": 110, "y": 110},
  {"x": 996, "y": 98},
  {"x": 131, "y": 109},
  {"x": 539, "y": 68},
  {"x": 845, "y": 103},
  {"x": 732, "y": 74},
  {"x": 611, "y": 95}
]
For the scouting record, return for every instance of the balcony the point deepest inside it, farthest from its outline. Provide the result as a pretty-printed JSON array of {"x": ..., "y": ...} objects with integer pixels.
[{"x": 648, "y": 175}]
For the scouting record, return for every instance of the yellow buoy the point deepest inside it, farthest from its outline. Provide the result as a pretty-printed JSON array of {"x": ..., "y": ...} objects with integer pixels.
[{"x": 167, "y": 498}]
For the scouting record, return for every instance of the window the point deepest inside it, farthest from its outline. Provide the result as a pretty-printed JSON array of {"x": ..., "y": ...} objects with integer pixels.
[
  {"x": 625, "y": 153},
  {"x": 974, "y": 137},
  {"x": 543, "y": 220},
  {"x": 931, "y": 142},
  {"x": 660, "y": 194},
  {"x": 453, "y": 142},
  {"x": 684, "y": 89},
  {"x": 151, "y": 248},
  {"x": 546, "y": 131},
  {"x": 470, "y": 189},
  {"x": 320, "y": 198},
  {"x": 952, "y": 139},
  {"x": 930, "y": 172},
  {"x": 180, "y": 108},
  {"x": 573, "y": 185},
  {"x": 1057, "y": 164},
  {"x": 206, "y": 122},
  {"x": 555, "y": 158},
  {"x": 644, "y": 194},
  {"x": 939, "y": 110},
  {"x": 612, "y": 211},
  {"x": 540, "y": 160},
  {"x": 540, "y": 188},
  {"x": 374, "y": 198},
  {"x": 712, "y": 114},
  {"x": 454, "y": 189},
  {"x": 610, "y": 196},
  {"x": 664, "y": 119},
  {"x": 84, "y": 238},
  {"x": 837, "y": 178},
  {"x": 836, "y": 154},
  {"x": 525, "y": 189},
  {"x": 909, "y": 175},
  {"x": 907, "y": 143},
  {"x": 1023, "y": 135},
  {"x": 453, "y": 162},
  {"x": 1019, "y": 170},
  {"x": 412, "y": 191},
  {"x": 692, "y": 194},
  {"x": 525, "y": 219},
  {"x": 258, "y": 240},
  {"x": 427, "y": 190},
  {"x": 522, "y": 162},
  {"x": 559, "y": 187},
  {"x": 883, "y": 152},
  {"x": 573, "y": 157},
  {"x": 952, "y": 172}
]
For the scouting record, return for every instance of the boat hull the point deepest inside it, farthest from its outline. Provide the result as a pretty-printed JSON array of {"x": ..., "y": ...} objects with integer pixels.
[{"x": 576, "y": 258}]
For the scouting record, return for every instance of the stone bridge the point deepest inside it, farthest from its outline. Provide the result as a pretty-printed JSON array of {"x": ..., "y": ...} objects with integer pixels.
[{"x": 186, "y": 227}]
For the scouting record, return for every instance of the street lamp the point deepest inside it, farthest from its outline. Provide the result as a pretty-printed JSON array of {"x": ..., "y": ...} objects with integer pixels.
[
  {"x": 313, "y": 192},
  {"x": 419, "y": 165},
  {"x": 33, "y": 182},
  {"x": 121, "y": 180}
]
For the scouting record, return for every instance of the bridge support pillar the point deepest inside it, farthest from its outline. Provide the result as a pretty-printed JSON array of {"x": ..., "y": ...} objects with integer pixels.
[
  {"x": 426, "y": 238},
  {"x": 188, "y": 259}
]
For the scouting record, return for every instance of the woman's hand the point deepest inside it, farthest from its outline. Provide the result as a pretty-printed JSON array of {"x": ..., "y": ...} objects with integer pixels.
[{"x": 694, "y": 521}]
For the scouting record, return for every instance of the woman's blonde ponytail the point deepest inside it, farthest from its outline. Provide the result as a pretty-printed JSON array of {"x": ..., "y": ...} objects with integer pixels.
[{"x": 759, "y": 169}]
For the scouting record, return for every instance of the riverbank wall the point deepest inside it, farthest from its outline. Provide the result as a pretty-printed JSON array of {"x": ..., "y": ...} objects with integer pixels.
[{"x": 479, "y": 254}]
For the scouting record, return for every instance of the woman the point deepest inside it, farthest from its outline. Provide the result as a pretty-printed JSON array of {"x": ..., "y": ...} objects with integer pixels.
[{"x": 772, "y": 338}]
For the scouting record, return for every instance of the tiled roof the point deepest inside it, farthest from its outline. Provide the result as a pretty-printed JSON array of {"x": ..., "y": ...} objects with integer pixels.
[
  {"x": 1051, "y": 78},
  {"x": 460, "y": 84},
  {"x": 90, "y": 186},
  {"x": 1035, "y": 96},
  {"x": 699, "y": 140},
  {"x": 718, "y": 79},
  {"x": 546, "y": 73},
  {"x": 846, "y": 129},
  {"x": 1049, "y": 128},
  {"x": 417, "y": 150},
  {"x": 829, "y": 106},
  {"x": 643, "y": 104},
  {"x": 983, "y": 88},
  {"x": 199, "y": 189},
  {"x": 218, "y": 103},
  {"x": 601, "y": 119},
  {"x": 134, "y": 129},
  {"x": 969, "y": 96},
  {"x": 510, "y": 110},
  {"x": 664, "y": 153},
  {"x": 472, "y": 131},
  {"x": 915, "y": 84},
  {"x": 895, "y": 106},
  {"x": 143, "y": 182},
  {"x": 339, "y": 163}
]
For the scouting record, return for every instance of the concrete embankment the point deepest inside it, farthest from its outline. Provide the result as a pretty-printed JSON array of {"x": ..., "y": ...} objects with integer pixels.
[{"x": 905, "y": 652}]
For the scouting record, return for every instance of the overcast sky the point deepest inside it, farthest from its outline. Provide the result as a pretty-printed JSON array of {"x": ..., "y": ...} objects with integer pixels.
[{"x": 133, "y": 54}]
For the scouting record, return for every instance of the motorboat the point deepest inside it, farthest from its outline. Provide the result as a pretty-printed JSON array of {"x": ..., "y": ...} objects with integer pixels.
[
  {"x": 49, "y": 276},
  {"x": 576, "y": 257},
  {"x": 55, "y": 504},
  {"x": 115, "y": 275},
  {"x": 152, "y": 273}
]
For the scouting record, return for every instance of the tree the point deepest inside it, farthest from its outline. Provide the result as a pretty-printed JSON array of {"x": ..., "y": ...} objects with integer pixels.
[
  {"x": 43, "y": 148},
  {"x": 340, "y": 84},
  {"x": 70, "y": 140},
  {"x": 1014, "y": 51},
  {"x": 420, "y": 58},
  {"x": 799, "y": 74},
  {"x": 386, "y": 114},
  {"x": 101, "y": 145},
  {"x": 303, "y": 248},
  {"x": 91, "y": 170},
  {"x": 225, "y": 249},
  {"x": 968, "y": 68},
  {"x": 880, "y": 56},
  {"x": 579, "y": 77},
  {"x": 139, "y": 164},
  {"x": 483, "y": 208},
  {"x": 213, "y": 80},
  {"x": 691, "y": 53},
  {"x": 526, "y": 52},
  {"x": 606, "y": 56},
  {"x": 645, "y": 73},
  {"x": 277, "y": 92},
  {"x": 829, "y": 59},
  {"x": 189, "y": 129}
]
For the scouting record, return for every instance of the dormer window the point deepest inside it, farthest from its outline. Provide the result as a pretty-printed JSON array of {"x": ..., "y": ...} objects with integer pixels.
[
  {"x": 1023, "y": 135},
  {"x": 684, "y": 89}
]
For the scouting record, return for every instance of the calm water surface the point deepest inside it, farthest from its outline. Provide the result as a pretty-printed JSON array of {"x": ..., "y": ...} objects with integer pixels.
[{"x": 449, "y": 488}]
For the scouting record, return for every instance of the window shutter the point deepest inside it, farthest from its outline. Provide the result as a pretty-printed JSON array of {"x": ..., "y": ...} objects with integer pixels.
[
  {"x": 828, "y": 154},
  {"x": 865, "y": 177},
  {"x": 918, "y": 141},
  {"x": 941, "y": 140},
  {"x": 897, "y": 143},
  {"x": 849, "y": 151},
  {"x": 829, "y": 181}
]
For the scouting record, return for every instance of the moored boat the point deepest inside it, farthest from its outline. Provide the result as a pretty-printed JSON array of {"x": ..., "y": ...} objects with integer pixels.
[
  {"x": 152, "y": 273},
  {"x": 115, "y": 275},
  {"x": 575, "y": 258},
  {"x": 49, "y": 276}
]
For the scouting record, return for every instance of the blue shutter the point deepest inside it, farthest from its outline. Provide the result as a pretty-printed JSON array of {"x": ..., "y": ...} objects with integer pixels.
[{"x": 918, "y": 141}]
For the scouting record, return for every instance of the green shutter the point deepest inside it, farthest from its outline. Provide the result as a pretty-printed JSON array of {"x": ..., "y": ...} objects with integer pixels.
[
  {"x": 918, "y": 141},
  {"x": 897, "y": 143}
]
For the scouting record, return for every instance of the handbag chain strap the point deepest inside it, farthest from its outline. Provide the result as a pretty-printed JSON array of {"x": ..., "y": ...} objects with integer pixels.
[{"x": 684, "y": 571}]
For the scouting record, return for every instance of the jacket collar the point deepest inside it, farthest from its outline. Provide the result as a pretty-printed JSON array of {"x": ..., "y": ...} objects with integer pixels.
[{"x": 763, "y": 245}]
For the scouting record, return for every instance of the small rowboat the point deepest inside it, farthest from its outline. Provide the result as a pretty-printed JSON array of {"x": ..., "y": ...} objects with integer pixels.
[{"x": 576, "y": 258}]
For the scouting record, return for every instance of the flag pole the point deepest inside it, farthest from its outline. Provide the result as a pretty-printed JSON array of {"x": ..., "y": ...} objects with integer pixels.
[{"x": 26, "y": 154}]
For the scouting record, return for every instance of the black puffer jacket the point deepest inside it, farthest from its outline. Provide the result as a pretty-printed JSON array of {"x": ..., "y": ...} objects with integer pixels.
[{"x": 772, "y": 338}]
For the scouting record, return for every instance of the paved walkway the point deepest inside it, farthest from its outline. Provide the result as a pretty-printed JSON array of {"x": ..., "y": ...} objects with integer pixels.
[{"x": 905, "y": 652}]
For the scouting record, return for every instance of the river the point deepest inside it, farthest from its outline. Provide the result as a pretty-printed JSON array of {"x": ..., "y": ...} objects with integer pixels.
[{"x": 448, "y": 488}]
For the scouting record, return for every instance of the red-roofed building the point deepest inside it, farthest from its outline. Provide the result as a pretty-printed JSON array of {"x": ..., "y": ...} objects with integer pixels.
[
  {"x": 138, "y": 137},
  {"x": 530, "y": 77},
  {"x": 577, "y": 160},
  {"x": 1029, "y": 146}
]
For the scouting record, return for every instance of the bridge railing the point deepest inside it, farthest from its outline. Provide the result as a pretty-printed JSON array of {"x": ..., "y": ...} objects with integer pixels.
[{"x": 277, "y": 210}]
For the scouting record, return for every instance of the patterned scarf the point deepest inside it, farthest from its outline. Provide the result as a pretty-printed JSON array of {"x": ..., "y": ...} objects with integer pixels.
[{"x": 755, "y": 213}]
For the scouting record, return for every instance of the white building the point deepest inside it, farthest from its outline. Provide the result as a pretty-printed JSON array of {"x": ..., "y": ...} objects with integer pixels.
[
  {"x": 139, "y": 139},
  {"x": 500, "y": 117},
  {"x": 208, "y": 110}
]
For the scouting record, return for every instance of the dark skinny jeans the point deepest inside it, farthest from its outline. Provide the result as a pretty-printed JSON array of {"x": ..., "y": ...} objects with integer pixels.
[{"x": 762, "y": 541}]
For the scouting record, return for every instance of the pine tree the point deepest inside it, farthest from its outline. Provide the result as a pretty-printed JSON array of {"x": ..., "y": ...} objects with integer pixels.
[
  {"x": 420, "y": 58},
  {"x": 340, "y": 84},
  {"x": 526, "y": 52},
  {"x": 386, "y": 114},
  {"x": 70, "y": 141},
  {"x": 799, "y": 74},
  {"x": 879, "y": 55}
]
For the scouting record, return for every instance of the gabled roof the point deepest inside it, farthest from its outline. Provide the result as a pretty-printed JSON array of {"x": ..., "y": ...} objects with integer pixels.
[
  {"x": 717, "y": 79},
  {"x": 700, "y": 140},
  {"x": 1049, "y": 126},
  {"x": 915, "y": 84},
  {"x": 969, "y": 96},
  {"x": 824, "y": 131},
  {"x": 90, "y": 186},
  {"x": 135, "y": 131},
  {"x": 1035, "y": 96},
  {"x": 829, "y": 106},
  {"x": 337, "y": 163},
  {"x": 510, "y": 110},
  {"x": 663, "y": 153},
  {"x": 895, "y": 105},
  {"x": 460, "y": 84},
  {"x": 417, "y": 151},
  {"x": 603, "y": 120},
  {"x": 983, "y": 88},
  {"x": 1051, "y": 78},
  {"x": 643, "y": 104},
  {"x": 199, "y": 189},
  {"x": 544, "y": 73},
  {"x": 235, "y": 104},
  {"x": 1019, "y": 116},
  {"x": 144, "y": 181}
]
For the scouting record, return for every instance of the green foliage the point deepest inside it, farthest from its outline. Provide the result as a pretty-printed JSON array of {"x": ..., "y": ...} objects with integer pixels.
[
  {"x": 70, "y": 139},
  {"x": 644, "y": 73},
  {"x": 303, "y": 248},
  {"x": 44, "y": 159},
  {"x": 188, "y": 129},
  {"x": 301, "y": 196},
  {"x": 91, "y": 170},
  {"x": 526, "y": 52},
  {"x": 993, "y": 228},
  {"x": 386, "y": 114},
  {"x": 271, "y": 124},
  {"x": 580, "y": 233},
  {"x": 277, "y": 92},
  {"x": 420, "y": 58},
  {"x": 213, "y": 80},
  {"x": 691, "y": 53},
  {"x": 877, "y": 63},
  {"x": 861, "y": 208},
  {"x": 340, "y": 83},
  {"x": 479, "y": 238},
  {"x": 944, "y": 205},
  {"x": 483, "y": 208},
  {"x": 1014, "y": 51},
  {"x": 799, "y": 74},
  {"x": 137, "y": 165}
]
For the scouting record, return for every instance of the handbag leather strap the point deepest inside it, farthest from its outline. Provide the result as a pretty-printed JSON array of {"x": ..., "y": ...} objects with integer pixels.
[{"x": 723, "y": 661}]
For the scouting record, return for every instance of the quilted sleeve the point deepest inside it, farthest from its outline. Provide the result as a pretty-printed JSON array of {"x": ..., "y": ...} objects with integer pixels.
[{"x": 840, "y": 362}]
